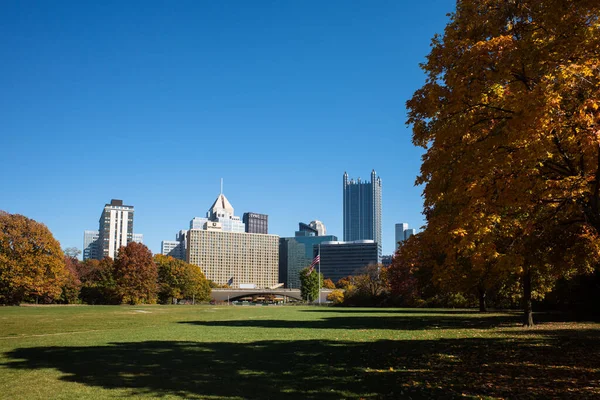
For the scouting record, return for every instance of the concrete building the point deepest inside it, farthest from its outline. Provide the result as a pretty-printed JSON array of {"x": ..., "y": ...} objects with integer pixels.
[
  {"x": 138, "y": 238},
  {"x": 175, "y": 248},
  {"x": 256, "y": 223},
  {"x": 341, "y": 259},
  {"x": 296, "y": 253},
  {"x": 240, "y": 258},
  {"x": 408, "y": 233},
  {"x": 362, "y": 210},
  {"x": 115, "y": 230},
  {"x": 90, "y": 243}
]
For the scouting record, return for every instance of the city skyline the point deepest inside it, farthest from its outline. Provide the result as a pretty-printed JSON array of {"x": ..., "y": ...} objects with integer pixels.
[{"x": 109, "y": 101}]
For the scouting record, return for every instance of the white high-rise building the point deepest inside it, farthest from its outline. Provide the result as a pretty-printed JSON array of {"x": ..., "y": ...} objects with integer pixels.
[{"x": 115, "y": 231}]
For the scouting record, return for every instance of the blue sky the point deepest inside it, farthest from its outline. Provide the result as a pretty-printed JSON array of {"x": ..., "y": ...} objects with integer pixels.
[{"x": 153, "y": 102}]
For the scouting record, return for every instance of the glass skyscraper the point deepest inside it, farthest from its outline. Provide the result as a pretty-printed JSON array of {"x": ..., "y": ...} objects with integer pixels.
[{"x": 362, "y": 209}]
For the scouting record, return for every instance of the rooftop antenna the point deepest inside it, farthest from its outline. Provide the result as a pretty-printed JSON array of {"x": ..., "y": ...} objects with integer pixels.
[{"x": 221, "y": 185}]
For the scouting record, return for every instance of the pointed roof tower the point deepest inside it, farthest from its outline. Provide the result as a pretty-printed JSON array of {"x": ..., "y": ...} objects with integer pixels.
[{"x": 221, "y": 204}]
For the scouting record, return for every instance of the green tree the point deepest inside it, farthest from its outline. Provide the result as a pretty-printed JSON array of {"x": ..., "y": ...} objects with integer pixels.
[
  {"x": 178, "y": 280},
  {"x": 136, "y": 274},
  {"x": 309, "y": 284},
  {"x": 195, "y": 286},
  {"x": 32, "y": 265}
]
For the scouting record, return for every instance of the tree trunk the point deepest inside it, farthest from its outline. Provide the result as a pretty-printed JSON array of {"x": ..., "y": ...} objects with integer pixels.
[
  {"x": 527, "y": 309},
  {"x": 482, "y": 307}
]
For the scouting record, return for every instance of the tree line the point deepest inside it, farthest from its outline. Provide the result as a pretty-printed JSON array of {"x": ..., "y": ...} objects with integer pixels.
[{"x": 33, "y": 268}]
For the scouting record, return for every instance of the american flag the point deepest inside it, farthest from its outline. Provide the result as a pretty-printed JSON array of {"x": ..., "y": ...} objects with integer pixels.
[{"x": 316, "y": 260}]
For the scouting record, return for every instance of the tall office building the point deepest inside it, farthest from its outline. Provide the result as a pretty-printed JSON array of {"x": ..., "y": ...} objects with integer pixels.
[
  {"x": 403, "y": 232},
  {"x": 296, "y": 253},
  {"x": 115, "y": 230},
  {"x": 399, "y": 231},
  {"x": 90, "y": 242},
  {"x": 256, "y": 223},
  {"x": 362, "y": 210}
]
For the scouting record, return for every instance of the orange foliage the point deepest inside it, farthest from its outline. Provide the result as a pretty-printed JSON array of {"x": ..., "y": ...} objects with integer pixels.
[
  {"x": 32, "y": 266},
  {"x": 509, "y": 117},
  {"x": 136, "y": 274}
]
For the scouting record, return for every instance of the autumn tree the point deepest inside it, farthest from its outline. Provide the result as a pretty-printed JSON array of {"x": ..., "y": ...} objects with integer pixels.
[
  {"x": 336, "y": 297},
  {"x": 510, "y": 122},
  {"x": 309, "y": 284},
  {"x": 136, "y": 274},
  {"x": 328, "y": 284},
  {"x": 71, "y": 285},
  {"x": 368, "y": 287},
  {"x": 98, "y": 284},
  {"x": 32, "y": 265},
  {"x": 372, "y": 280},
  {"x": 178, "y": 280},
  {"x": 344, "y": 282}
]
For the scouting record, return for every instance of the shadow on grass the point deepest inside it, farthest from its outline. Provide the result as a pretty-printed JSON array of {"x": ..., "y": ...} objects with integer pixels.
[
  {"x": 396, "y": 322},
  {"x": 549, "y": 366},
  {"x": 372, "y": 310}
]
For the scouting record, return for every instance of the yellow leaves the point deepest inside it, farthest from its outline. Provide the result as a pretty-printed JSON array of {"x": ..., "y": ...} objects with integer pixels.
[{"x": 460, "y": 232}]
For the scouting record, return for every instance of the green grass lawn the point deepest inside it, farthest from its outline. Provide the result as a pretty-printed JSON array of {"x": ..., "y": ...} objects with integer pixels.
[{"x": 275, "y": 352}]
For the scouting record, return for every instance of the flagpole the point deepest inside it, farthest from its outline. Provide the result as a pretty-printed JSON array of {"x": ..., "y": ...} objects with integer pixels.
[{"x": 319, "y": 273}]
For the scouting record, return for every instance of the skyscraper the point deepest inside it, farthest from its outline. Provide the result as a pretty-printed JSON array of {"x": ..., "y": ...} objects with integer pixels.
[
  {"x": 400, "y": 228},
  {"x": 362, "y": 209},
  {"x": 115, "y": 230},
  {"x": 90, "y": 244}
]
